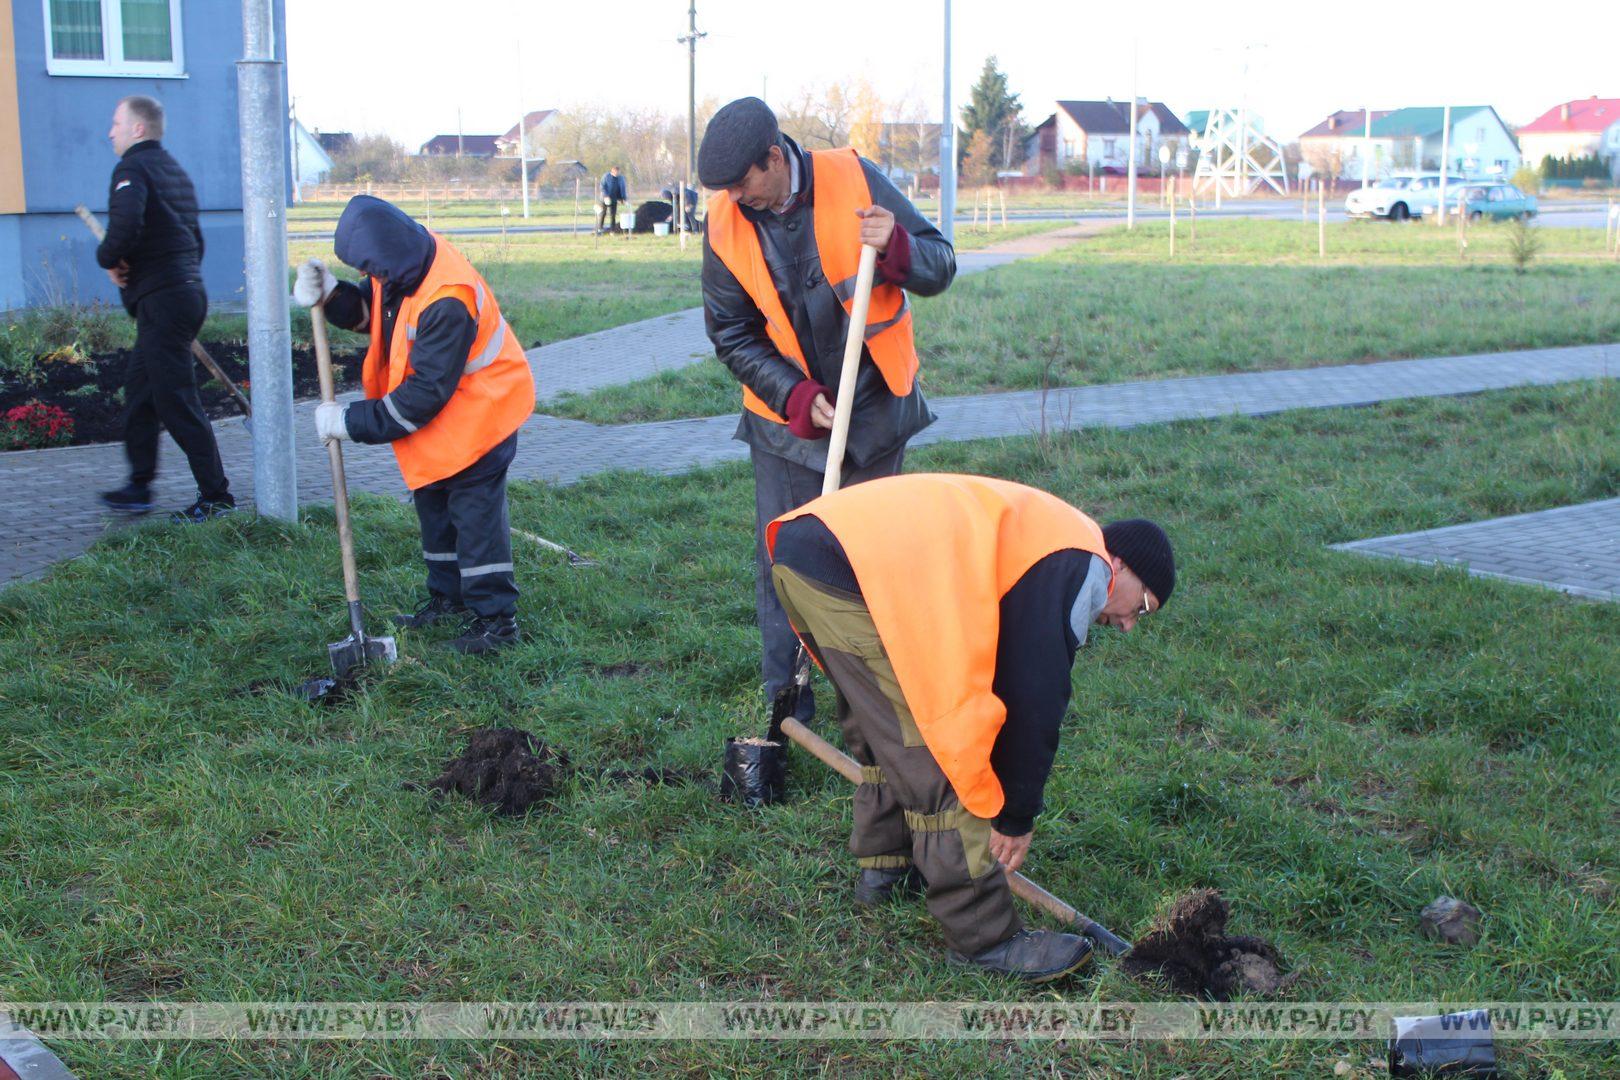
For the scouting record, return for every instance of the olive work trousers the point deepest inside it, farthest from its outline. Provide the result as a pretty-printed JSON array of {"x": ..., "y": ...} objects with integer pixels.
[{"x": 906, "y": 812}]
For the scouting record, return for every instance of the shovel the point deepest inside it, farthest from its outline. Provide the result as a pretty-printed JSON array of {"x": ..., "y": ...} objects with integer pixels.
[
  {"x": 755, "y": 771},
  {"x": 197, "y": 350},
  {"x": 356, "y": 650}
]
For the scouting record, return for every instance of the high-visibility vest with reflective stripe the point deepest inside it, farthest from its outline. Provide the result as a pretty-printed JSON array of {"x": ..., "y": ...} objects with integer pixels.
[
  {"x": 934, "y": 553},
  {"x": 839, "y": 189},
  {"x": 496, "y": 392}
]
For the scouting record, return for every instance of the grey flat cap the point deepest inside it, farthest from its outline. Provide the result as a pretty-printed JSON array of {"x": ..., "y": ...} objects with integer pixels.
[{"x": 738, "y": 136}]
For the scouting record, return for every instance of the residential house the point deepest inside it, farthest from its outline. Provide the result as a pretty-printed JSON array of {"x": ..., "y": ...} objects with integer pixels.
[
  {"x": 311, "y": 164},
  {"x": 1480, "y": 144},
  {"x": 63, "y": 66},
  {"x": 335, "y": 142},
  {"x": 1575, "y": 129},
  {"x": 1412, "y": 138},
  {"x": 475, "y": 146},
  {"x": 1338, "y": 145},
  {"x": 1097, "y": 134},
  {"x": 537, "y": 126}
]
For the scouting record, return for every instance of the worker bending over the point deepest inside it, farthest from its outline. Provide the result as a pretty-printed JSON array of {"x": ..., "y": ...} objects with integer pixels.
[
  {"x": 947, "y": 611},
  {"x": 448, "y": 386}
]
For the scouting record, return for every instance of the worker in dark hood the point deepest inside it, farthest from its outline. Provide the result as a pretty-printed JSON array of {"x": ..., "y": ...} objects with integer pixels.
[{"x": 448, "y": 386}]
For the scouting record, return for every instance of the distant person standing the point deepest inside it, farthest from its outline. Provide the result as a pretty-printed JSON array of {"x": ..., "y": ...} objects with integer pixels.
[
  {"x": 614, "y": 192},
  {"x": 153, "y": 252}
]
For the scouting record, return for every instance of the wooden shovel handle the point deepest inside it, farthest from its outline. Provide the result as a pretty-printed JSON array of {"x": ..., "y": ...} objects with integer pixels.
[
  {"x": 197, "y": 349},
  {"x": 852, "y": 362},
  {"x": 334, "y": 452},
  {"x": 850, "y": 770}
]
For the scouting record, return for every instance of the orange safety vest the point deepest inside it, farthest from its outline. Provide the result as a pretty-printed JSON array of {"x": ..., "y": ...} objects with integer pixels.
[
  {"x": 496, "y": 392},
  {"x": 840, "y": 189},
  {"x": 934, "y": 553}
]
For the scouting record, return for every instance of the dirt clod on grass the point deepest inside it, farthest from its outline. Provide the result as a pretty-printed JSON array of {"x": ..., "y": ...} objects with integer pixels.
[
  {"x": 1188, "y": 948},
  {"x": 507, "y": 769},
  {"x": 510, "y": 770}
]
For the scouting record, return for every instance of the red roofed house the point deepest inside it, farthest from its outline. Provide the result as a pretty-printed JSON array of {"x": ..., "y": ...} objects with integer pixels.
[
  {"x": 535, "y": 125},
  {"x": 1576, "y": 129}
]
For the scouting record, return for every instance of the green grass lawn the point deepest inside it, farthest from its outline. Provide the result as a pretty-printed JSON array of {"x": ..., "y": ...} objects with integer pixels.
[
  {"x": 1245, "y": 296},
  {"x": 1332, "y": 740}
]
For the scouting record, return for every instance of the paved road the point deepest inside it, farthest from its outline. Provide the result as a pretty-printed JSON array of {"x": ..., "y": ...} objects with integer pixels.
[{"x": 1558, "y": 215}]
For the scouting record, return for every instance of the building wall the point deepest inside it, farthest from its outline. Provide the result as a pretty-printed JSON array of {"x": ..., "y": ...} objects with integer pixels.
[
  {"x": 12, "y": 194},
  {"x": 1482, "y": 145},
  {"x": 66, "y": 160},
  {"x": 1561, "y": 144}
]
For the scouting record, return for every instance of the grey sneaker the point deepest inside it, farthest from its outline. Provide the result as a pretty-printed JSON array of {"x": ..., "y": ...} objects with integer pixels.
[
  {"x": 1035, "y": 956},
  {"x": 204, "y": 510},
  {"x": 876, "y": 887}
]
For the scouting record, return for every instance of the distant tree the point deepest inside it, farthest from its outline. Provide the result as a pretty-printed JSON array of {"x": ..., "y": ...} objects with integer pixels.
[
  {"x": 996, "y": 111},
  {"x": 979, "y": 164},
  {"x": 370, "y": 157}
]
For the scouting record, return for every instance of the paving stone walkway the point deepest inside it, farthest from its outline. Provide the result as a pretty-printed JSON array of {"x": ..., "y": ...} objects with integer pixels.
[
  {"x": 52, "y": 512},
  {"x": 1574, "y": 549}
]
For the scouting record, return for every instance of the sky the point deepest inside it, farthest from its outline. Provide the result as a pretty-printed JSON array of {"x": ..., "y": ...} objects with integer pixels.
[{"x": 413, "y": 68}]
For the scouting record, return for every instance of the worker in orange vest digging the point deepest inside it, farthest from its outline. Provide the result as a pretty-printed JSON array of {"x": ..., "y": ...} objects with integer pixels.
[
  {"x": 447, "y": 386},
  {"x": 781, "y": 245},
  {"x": 947, "y": 611}
]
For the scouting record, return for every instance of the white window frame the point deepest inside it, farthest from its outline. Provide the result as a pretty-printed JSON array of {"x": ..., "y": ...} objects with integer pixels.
[{"x": 112, "y": 64}]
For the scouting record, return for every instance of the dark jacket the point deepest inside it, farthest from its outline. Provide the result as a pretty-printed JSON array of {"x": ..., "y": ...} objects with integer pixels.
[
  {"x": 881, "y": 421},
  {"x": 151, "y": 223},
  {"x": 613, "y": 187},
  {"x": 1034, "y": 652},
  {"x": 383, "y": 241}
]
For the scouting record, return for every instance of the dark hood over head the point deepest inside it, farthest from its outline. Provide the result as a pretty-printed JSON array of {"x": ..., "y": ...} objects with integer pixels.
[{"x": 380, "y": 239}]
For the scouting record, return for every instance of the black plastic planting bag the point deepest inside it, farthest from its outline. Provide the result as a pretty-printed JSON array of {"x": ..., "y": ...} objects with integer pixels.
[
  {"x": 756, "y": 772},
  {"x": 1456, "y": 1044}
]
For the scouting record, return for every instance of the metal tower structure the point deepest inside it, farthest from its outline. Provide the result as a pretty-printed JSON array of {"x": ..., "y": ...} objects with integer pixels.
[{"x": 1236, "y": 158}]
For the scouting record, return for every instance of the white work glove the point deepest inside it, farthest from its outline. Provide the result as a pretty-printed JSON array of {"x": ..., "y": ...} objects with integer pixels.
[
  {"x": 329, "y": 421},
  {"x": 313, "y": 284}
]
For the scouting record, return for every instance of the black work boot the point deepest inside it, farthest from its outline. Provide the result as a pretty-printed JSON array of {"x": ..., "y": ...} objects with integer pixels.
[
  {"x": 481, "y": 634},
  {"x": 204, "y": 510},
  {"x": 437, "y": 609},
  {"x": 1035, "y": 956},
  {"x": 875, "y": 887},
  {"x": 130, "y": 499}
]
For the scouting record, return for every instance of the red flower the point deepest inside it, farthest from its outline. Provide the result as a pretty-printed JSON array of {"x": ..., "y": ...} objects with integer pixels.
[{"x": 33, "y": 425}]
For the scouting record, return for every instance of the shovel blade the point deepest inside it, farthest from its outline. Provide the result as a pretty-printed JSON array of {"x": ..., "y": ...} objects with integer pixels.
[{"x": 356, "y": 652}]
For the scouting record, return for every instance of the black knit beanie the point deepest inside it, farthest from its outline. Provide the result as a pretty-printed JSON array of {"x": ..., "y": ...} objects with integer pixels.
[{"x": 1145, "y": 548}]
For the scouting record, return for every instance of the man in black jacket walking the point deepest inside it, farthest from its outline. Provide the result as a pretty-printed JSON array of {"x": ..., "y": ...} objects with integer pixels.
[
  {"x": 153, "y": 252},
  {"x": 614, "y": 192},
  {"x": 772, "y": 183}
]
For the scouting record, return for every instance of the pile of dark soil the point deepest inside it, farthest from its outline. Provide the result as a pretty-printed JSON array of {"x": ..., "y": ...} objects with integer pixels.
[
  {"x": 512, "y": 771},
  {"x": 505, "y": 768},
  {"x": 88, "y": 392},
  {"x": 1189, "y": 949}
]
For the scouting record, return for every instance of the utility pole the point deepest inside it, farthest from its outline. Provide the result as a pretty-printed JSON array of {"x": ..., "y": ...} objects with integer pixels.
[
  {"x": 947, "y": 147},
  {"x": 690, "y": 40},
  {"x": 1130, "y": 169},
  {"x": 460, "y": 138},
  {"x": 1445, "y": 165},
  {"x": 1366, "y": 152},
  {"x": 262, "y": 114}
]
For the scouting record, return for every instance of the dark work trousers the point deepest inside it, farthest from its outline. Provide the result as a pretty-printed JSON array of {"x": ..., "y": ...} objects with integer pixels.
[
  {"x": 466, "y": 537},
  {"x": 160, "y": 390},
  {"x": 607, "y": 215},
  {"x": 906, "y": 811},
  {"x": 781, "y": 485}
]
